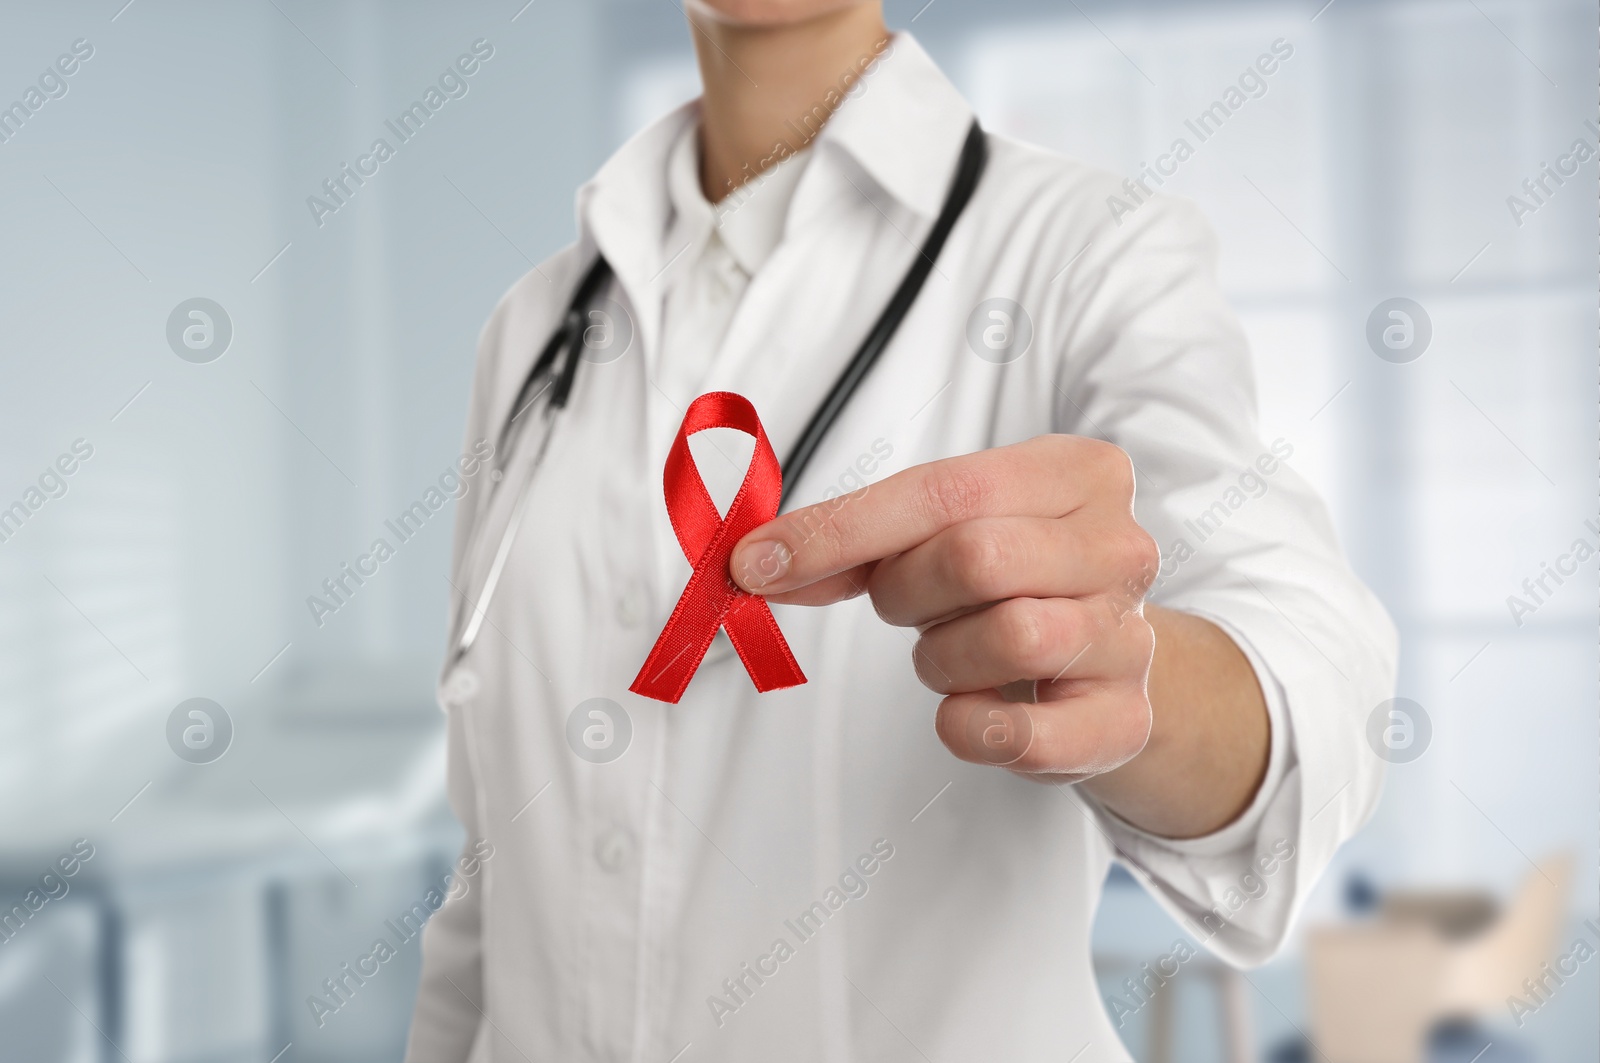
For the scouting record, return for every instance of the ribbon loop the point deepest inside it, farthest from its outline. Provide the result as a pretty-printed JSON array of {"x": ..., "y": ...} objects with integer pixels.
[{"x": 712, "y": 600}]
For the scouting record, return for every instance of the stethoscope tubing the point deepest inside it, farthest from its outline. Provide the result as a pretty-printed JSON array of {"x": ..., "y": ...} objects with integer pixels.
[
  {"x": 566, "y": 343},
  {"x": 502, "y": 553}
]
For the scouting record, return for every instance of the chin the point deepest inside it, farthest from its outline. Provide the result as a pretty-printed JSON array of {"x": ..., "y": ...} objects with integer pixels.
[{"x": 770, "y": 12}]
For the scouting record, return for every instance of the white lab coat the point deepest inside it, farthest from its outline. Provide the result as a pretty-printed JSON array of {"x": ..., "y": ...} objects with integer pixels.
[{"x": 629, "y": 898}]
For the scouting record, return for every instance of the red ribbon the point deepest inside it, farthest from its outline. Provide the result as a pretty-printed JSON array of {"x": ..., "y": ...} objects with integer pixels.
[{"x": 712, "y": 599}]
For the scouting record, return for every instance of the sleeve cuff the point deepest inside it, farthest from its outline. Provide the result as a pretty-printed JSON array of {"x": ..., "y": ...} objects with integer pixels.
[{"x": 1280, "y": 760}]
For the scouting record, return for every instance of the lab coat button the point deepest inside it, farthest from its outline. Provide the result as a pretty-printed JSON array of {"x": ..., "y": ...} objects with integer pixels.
[
  {"x": 461, "y": 686},
  {"x": 613, "y": 848}
]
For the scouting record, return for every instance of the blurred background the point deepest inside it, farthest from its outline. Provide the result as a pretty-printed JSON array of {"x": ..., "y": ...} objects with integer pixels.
[{"x": 174, "y": 487}]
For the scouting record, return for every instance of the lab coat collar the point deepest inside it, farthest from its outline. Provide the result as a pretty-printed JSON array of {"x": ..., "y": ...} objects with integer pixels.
[
  {"x": 900, "y": 129},
  {"x": 624, "y": 207},
  {"x": 623, "y": 212},
  {"x": 903, "y": 124}
]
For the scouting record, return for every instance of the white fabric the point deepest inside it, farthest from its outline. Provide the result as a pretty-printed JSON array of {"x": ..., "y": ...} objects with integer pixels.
[
  {"x": 629, "y": 895},
  {"x": 721, "y": 247}
]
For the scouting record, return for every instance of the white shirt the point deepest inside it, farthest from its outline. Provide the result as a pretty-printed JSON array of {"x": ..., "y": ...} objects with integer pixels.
[
  {"x": 814, "y": 859},
  {"x": 722, "y": 247}
]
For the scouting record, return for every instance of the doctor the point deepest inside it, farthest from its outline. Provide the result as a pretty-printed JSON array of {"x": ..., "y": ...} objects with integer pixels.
[{"x": 867, "y": 867}]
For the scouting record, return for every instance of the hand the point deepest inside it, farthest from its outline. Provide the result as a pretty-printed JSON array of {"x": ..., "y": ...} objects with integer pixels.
[{"x": 1023, "y": 572}]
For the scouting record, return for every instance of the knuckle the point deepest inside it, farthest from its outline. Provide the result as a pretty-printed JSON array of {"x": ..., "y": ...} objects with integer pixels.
[
  {"x": 956, "y": 492},
  {"x": 977, "y": 558},
  {"x": 1142, "y": 640},
  {"x": 892, "y": 602},
  {"x": 1141, "y": 559},
  {"x": 884, "y": 602},
  {"x": 1147, "y": 552},
  {"x": 1025, "y": 632},
  {"x": 1114, "y": 467}
]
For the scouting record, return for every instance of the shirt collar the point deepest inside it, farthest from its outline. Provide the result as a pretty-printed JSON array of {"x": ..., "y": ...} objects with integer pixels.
[{"x": 749, "y": 221}]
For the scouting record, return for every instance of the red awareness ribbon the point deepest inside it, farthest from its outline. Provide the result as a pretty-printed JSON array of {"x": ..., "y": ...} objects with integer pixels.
[{"x": 712, "y": 599}]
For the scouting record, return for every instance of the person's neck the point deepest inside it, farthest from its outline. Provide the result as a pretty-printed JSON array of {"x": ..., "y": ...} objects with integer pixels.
[{"x": 768, "y": 90}]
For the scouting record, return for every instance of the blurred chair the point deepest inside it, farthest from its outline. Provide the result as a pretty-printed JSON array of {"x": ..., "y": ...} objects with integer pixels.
[{"x": 1378, "y": 988}]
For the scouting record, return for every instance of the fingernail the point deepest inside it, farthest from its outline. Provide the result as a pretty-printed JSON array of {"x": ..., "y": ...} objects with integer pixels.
[{"x": 762, "y": 564}]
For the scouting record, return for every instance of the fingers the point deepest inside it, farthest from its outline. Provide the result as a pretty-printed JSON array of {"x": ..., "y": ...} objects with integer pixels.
[
  {"x": 1058, "y": 640},
  {"x": 1079, "y": 736},
  {"x": 994, "y": 558},
  {"x": 835, "y": 588},
  {"x": 1046, "y": 476}
]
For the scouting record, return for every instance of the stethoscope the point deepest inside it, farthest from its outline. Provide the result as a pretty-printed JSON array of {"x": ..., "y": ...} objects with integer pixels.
[{"x": 566, "y": 345}]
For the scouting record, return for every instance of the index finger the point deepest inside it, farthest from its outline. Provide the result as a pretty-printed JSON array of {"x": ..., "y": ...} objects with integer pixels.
[{"x": 1049, "y": 476}]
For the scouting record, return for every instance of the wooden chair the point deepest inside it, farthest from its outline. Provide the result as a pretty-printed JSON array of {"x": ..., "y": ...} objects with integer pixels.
[{"x": 1377, "y": 988}]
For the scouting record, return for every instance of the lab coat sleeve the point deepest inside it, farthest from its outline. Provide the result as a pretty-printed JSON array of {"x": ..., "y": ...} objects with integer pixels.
[
  {"x": 446, "y": 1018},
  {"x": 1156, "y": 362},
  {"x": 444, "y": 1023}
]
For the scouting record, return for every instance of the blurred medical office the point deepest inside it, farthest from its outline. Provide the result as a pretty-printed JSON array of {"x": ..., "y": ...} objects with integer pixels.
[{"x": 248, "y": 790}]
